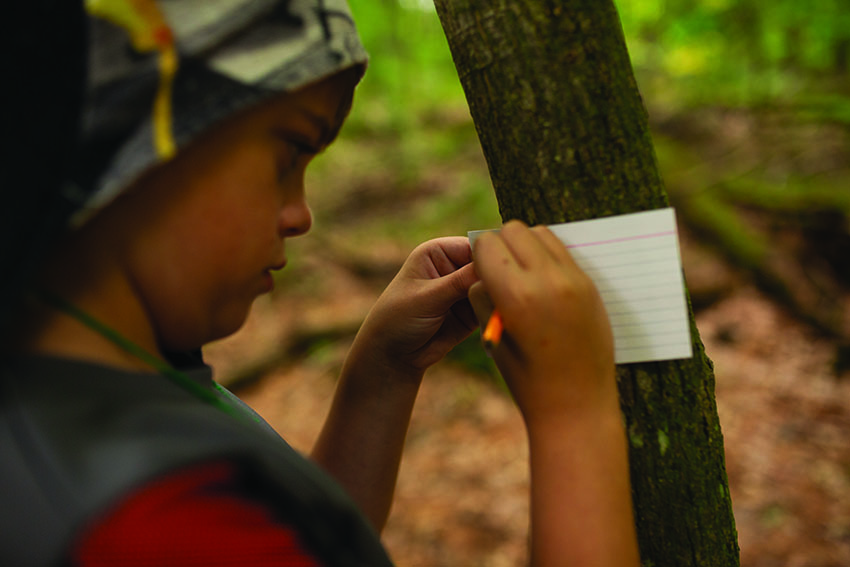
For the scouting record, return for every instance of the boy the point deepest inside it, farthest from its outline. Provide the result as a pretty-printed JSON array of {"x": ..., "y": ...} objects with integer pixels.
[{"x": 116, "y": 448}]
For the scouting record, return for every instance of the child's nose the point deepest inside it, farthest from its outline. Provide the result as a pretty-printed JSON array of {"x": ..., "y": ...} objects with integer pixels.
[{"x": 295, "y": 218}]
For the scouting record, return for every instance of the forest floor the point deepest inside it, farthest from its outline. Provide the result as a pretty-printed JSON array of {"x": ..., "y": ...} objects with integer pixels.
[{"x": 462, "y": 493}]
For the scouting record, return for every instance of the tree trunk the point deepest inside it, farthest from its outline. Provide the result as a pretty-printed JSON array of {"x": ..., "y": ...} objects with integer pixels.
[{"x": 561, "y": 122}]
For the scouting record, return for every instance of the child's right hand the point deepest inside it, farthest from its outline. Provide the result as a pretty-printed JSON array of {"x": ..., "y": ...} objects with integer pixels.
[
  {"x": 557, "y": 353},
  {"x": 557, "y": 357}
]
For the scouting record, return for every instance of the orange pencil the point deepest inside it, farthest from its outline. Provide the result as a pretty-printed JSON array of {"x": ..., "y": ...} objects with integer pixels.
[{"x": 493, "y": 332}]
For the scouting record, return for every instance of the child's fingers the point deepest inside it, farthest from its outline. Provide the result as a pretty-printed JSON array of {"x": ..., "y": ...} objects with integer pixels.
[
  {"x": 449, "y": 254},
  {"x": 481, "y": 303},
  {"x": 457, "y": 249},
  {"x": 554, "y": 245},
  {"x": 459, "y": 282},
  {"x": 494, "y": 261},
  {"x": 524, "y": 244},
  {"x": 484, "y": 310},
  {"x": 465, "y": 314}
]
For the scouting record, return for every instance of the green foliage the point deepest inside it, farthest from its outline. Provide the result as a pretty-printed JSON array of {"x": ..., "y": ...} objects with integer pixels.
[
  {"x": 686, "y": 53},
  {"x": 738, "y": 52},
  {"x": 410, "y": 70}
]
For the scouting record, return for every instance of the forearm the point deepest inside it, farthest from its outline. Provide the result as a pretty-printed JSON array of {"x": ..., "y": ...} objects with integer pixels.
[
  {"x": 581, "y": 506},
  {"x": 421, "y": 315},
  {"x": 363, "y": 436},
  {"x": 558, "y": 361}
]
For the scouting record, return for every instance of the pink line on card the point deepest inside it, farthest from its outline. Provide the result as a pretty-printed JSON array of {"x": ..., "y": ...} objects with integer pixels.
[{"x": 624, "y": 239}]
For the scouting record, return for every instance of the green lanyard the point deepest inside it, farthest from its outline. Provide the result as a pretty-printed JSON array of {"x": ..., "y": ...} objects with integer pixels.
[{"x": 161, "y": 366}]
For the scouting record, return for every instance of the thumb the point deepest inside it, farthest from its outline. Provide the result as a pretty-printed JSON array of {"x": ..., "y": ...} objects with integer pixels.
[{"x": 453, "y": 287}]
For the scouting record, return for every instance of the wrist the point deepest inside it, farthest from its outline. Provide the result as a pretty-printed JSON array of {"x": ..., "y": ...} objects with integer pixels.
[
  {"x": 584, "y": 397},
  {"x": 581, "y": 423},
  {"x": 366, "y": 360}
]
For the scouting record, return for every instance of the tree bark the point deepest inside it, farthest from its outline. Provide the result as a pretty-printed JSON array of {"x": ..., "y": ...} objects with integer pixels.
[{"x": 554, "y": 100}]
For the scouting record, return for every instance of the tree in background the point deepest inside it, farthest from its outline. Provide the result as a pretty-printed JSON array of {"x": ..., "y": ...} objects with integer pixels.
[{"x": 562, "y": 125}]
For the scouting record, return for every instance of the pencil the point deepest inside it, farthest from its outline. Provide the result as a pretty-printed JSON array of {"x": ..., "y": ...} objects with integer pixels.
[{"x": 493, "y": 332}]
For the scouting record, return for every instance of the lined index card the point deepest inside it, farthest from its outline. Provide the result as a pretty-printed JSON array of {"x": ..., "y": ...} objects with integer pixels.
[{"x": 634, "y": 261}]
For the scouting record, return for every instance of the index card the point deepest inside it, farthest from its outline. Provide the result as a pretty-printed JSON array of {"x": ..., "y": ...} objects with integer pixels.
[{"x": 634, "y": 261}]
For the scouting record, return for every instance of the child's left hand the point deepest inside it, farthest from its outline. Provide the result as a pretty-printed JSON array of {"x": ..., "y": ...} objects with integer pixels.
[
  {"x": 424, "y": 312},
  {"x": 421, "y": 315}
]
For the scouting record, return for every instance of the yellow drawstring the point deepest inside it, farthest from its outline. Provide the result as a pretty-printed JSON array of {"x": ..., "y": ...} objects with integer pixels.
[
  {"x": 162, "y": 124},
  {"x": 148, "y": 31}
]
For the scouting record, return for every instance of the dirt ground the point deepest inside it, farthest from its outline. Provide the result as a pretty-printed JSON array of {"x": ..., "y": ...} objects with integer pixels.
[{"x": 462, "y": 493}]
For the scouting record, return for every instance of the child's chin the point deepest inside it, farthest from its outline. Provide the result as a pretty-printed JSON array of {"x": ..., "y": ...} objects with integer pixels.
[{"x": 229, "y": 326}]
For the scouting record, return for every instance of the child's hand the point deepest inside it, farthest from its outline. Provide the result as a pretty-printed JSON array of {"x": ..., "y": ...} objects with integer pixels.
[
  {"x": 556, "y": 353},
  {"x": 424, "y": 311},
  {"x": 421, "y": 315}
]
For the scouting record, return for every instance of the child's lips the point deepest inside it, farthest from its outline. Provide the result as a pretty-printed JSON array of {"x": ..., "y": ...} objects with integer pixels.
[
  {"x": 268, "y": 276},
  {"x": 268, "y": 281}
]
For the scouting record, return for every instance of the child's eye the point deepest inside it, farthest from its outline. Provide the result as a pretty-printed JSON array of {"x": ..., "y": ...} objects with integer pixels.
[
  {"x": 304, "y": 148},
  {"x": 301, "y": 143},
  {"x": 291, "y": 151}
]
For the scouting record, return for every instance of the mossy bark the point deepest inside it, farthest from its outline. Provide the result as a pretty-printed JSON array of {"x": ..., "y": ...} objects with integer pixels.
[{"x": 552, "y": 93}]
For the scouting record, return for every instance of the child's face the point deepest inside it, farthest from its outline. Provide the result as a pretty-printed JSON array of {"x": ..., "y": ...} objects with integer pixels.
[{"x": 210, "y": 227}]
